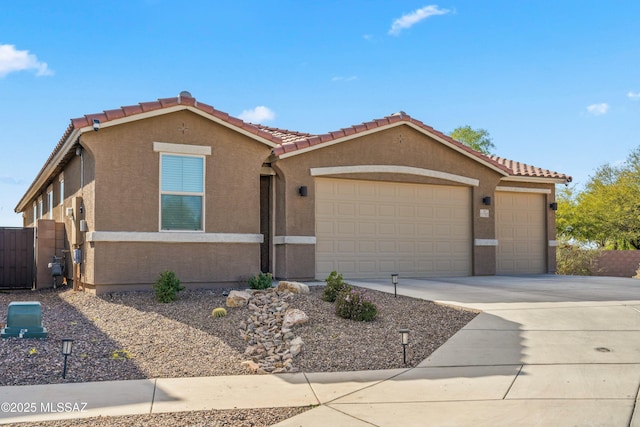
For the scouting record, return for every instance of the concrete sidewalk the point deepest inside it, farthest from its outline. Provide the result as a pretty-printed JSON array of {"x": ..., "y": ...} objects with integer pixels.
[{"x": 546, "y": 350}]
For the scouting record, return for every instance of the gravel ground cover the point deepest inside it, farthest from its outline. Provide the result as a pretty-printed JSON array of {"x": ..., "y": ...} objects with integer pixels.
[{"x": 122, "y": 336}]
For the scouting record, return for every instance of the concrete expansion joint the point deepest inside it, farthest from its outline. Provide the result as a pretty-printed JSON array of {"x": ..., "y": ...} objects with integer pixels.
[
  {"x": 515, "y": 377},
  {"x": 351, "y": 416},
  {"x": 634, "y": 415}
]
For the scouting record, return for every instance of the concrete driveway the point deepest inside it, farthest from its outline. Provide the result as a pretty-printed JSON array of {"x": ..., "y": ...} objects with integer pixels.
[{"x": 547, "y": 350}]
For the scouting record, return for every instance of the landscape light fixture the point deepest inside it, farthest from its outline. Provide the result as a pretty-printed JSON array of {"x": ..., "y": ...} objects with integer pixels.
[
  {"x": 404, "y": 334},
  {"x": 67, "y": 348},
  {"x": 394, "y": 280}
]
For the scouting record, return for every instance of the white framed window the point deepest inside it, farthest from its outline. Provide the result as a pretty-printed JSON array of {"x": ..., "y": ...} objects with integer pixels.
[
  {"x": 182, "y": 192},
  {"x": 40, "y": 207},
  {"x": 62, "y": 198},
  {"x": 35, "y": 214},
  {"x": 50, "y": 202}
]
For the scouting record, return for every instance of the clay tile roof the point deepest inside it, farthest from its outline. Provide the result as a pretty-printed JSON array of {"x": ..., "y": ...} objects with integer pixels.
[
  {"x": 289, "y": 141},
  {"x": 525, "y": 170},
  {"x": 284, "y": 135},
  {"x": 296, "y": 141}
]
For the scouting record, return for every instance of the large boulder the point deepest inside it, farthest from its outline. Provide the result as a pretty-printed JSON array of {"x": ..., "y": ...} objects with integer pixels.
[
  {"x": 238, "y": 298},
  {"x": 293, "y": 287},
  {"x": 293, "y": 317}
]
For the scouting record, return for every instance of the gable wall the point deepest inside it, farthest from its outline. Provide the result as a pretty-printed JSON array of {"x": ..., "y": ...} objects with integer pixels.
[{"x": 401, "y": 146}]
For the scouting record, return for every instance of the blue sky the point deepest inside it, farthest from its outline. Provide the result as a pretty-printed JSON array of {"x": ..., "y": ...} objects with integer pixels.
[{"x": 556, "y": 83}]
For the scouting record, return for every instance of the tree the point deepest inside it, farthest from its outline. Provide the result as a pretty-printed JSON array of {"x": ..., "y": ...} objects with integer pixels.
[
  {"x": 478, "y": 139},
  {"x": 607, "y": 211}
]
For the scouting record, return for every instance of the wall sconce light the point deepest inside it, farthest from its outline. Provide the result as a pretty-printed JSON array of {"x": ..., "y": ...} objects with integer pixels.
[
  {"x": 486, "y": 200},
  {"x": 96, "y": 125},
  {"x": 394, "y": 280},
  {"x": 67, "y": 348},
  {"x": 404, "y": 334},
  {"x": 78, "y": 150},
  {"x": 302, "y": 191},
  {"x": 553, "y": 206}
]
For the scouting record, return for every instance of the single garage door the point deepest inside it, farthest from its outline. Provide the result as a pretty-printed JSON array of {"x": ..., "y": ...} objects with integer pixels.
[
  {"x": 520, "y": 223},
  {"x": 368, "y": 229}
]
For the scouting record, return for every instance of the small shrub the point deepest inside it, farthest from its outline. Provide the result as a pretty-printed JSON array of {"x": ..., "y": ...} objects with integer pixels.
[
  {"x": 261, "y": 281},
  {"x": 576, "y": 261},
  {"x": 355, "y": 305},
  {"x": 121, "y": 355},
  {"x": 219, "y": 312},
  {"x": 167, "y": 287},
  {"x": 334, "y": 286}
]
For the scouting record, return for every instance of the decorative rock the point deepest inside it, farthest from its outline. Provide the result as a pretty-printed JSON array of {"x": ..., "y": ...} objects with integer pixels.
[
  {"x": 293, "y": 287},
  {"x": 294, "y": 317},
  {"x": 296, "y": 346},
  {"x": 238, "y": 298},
  {"x": 251, "y": 365}
]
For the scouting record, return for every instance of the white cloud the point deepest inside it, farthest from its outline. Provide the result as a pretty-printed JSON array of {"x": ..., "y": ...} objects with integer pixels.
[
  {"x": 12, "y": 60},
  {"x": 410, "y": 19},
  {"x": 598, "y": 109},
  {"x": 634, "y": 96},
  {"x": 343, "y": 79},
  {"x": 258, "y": 115}
]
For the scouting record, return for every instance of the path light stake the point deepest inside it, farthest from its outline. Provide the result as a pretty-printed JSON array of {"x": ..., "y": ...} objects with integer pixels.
[
  {"x": 405, "y": 341},
  {"x": 394, "y": 280},
  {"x": 67, "y": 348}
]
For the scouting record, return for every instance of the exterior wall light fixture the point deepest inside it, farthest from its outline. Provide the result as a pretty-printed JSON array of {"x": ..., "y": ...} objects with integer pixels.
[
  {"x": 486, "y": 200},
  {"x": 302, "y": 191},
  {"x": 553, "y": 206}
]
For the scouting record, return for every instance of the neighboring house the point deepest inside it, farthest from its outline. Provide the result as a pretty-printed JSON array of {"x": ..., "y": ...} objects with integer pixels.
[{"x": 178, "y": 185}]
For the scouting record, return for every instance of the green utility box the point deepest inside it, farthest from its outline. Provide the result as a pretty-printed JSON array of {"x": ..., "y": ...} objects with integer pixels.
[{"x": 24, "y": 320}]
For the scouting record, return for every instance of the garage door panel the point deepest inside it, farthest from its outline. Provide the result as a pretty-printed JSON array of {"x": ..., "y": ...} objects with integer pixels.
[
  {"x": 521, "y": 233},
  {"x": 392, "y": 227}
]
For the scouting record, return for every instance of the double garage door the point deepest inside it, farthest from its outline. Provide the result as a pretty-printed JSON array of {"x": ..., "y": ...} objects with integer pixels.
[{"x": 369, "y": 229}]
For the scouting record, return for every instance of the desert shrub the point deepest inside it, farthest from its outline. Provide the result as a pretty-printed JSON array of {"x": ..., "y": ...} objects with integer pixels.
[
  {"x": 355, "y": 305},
  {"x": 219, "y": 312},
  {"x": 334, "y": 286},
  {"x": 576, "y": 261},
  {"x": 261, "y": 281},
  {"x": 167, "y": 287}
]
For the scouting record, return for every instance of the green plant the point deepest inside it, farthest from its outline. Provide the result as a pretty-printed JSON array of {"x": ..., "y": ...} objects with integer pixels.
[
  {"x": 33, "y": 351},
  {"x": 334, "y": 286},
  {"x": 121, "y": 355},
  {"x": 356, "y": 305},
  {"x": 261, "y": 281},
  {"x": 219, "y": 312},
  {"x": 576, "y": 261},
  {"x": 167, "y": 287}
]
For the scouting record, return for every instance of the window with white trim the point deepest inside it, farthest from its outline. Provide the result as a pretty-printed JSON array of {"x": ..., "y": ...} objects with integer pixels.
[
  {"x": 35, "y": 214},
  {"x": 40, "y": 207},
  {"x": 62, "y": 198},
  {"x": 50, "y": 203},
  {"x": 181, "y": 192}
]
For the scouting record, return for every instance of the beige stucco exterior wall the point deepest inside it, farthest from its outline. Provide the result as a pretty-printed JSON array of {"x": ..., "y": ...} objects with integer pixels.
[
  {"x": 124, "y": 197},
  {"x": 401, "y": 146}
]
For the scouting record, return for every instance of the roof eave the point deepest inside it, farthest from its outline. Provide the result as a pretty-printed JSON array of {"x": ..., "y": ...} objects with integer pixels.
[
  {"x": 537, "y": 179},
  {"x": 45, "y": 174},
  {"x": 389, "y": 126}
]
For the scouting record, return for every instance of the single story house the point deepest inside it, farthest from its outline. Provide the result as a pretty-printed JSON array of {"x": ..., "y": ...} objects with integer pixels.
[{"x": 178, "y": 185}]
